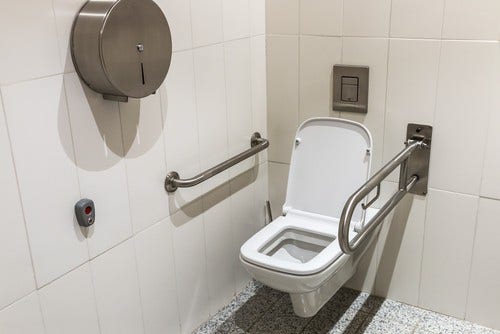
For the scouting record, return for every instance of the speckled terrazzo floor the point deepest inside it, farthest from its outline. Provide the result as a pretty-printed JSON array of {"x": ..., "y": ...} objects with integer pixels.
[{"x": 261, "y": 310}]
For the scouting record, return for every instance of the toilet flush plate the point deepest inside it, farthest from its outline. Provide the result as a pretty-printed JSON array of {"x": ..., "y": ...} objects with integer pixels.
[{"x": 418, "y": 162}]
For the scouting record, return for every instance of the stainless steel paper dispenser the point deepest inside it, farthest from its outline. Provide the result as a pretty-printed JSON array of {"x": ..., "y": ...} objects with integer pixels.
[{"x": 121, "y": 48}]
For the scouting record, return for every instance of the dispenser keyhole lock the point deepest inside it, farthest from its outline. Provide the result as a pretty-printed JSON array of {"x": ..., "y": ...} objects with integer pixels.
[{"x": 85, "y": 212}]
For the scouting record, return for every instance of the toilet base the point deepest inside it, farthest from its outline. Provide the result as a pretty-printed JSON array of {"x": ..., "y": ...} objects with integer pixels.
[{"x": 309, "y": 303}]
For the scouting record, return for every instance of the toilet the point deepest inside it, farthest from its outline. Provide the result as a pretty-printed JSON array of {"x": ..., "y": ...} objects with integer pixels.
[{"x": 298, "y": 252}]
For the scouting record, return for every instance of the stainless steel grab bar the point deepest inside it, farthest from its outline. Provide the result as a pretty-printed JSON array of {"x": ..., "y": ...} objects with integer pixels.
[
  {"x": 414, "y": 161},
  {"x": 173, "y": 180}
]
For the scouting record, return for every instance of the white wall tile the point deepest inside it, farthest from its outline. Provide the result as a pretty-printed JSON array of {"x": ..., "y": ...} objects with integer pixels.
[
  {"x": 466, "y": 96},
  {"x": 178, "y": 13},
  {"x": 257, "y": 17},
  {"x": 206, "y": 18},
  {"x": 178, "y": 100},
  {"x": 97, "y": 137},
  {"x": 22, "y": 317},
  {"x": 366, "y": 271},
  {"x": 259, "y": 88},
  {"x": 370, "y": 52},
  {"x": 321, "y": 17},
  {"x": 28, "y": 33},
  {"x": 261, "y": 194},
  {"x": 236, "y": 19},
  {"x": 142, "y": 128},
  {"x": 239, "y": 100},
  {"x": 448, "y": 240},
  {"x": 317, "y": 57},
  {"x": 490, "y": 185},
  {"x": 278, "y": 179},
  {"x": 65, "y": 12},
  {"x": 471, "y": 19},
  {"x": 411, "y": 90},
  {"x": 41, "y": 142},
  {"x": 283, "y": 90},
  {"x": 68, "y": 304},
  {"x": 282, "y": 17},
  {"x": 191, "y": 267},
  {"x": 483, "y": 304},
  {"x": 155, "y": 263},
  {"x": 242, "y": 193},
  {"x": 117, "y": 291},
  {"x": 219, "y": 247},
  {"x": 211, "y": 108},
  {"x": 400, "y": 250},
  {"x": 417, "y": 19},
  {"x": 368, "y": 18},
  {"x": 13, "y": 240}
]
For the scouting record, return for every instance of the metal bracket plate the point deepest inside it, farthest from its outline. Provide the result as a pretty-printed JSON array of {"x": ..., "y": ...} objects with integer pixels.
[{"x": 418, "y": 162}]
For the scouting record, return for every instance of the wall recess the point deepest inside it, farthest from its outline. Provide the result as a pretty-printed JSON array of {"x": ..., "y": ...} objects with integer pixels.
[{"x": 121, "y": 48}]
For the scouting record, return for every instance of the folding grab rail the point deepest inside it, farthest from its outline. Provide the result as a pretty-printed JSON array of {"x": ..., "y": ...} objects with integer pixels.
[
  {"x": 414, "y": 171},
  {"x": 173, "y": 180}
]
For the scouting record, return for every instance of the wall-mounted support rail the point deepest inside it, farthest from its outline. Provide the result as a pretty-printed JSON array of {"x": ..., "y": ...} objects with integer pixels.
[
  {"x": 173, "y": 180},
  {"x": 414, "y": 171}
]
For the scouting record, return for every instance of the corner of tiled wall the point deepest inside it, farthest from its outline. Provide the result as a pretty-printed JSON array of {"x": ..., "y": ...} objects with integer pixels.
[
  {"x": 160, "y": 263},
  {"x": 432, "y": 62}
]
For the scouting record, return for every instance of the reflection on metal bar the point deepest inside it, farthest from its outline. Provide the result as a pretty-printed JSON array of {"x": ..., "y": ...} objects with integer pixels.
[
  {"x": 173, "y": 180},
  {"x": 410, "y": 160}
]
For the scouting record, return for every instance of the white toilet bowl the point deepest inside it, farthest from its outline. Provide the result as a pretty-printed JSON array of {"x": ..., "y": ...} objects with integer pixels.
[{"x": 299, "y": 252}]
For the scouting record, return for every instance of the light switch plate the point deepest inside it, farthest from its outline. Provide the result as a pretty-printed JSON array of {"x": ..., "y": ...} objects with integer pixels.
[{"x": 350, "y": 101}]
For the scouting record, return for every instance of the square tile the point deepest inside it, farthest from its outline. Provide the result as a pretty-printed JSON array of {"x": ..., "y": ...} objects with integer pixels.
[
  {"x": 13, "y": 240},
  {"x": 32, "y": 49},
  {"x": 283, "y": 95},
  {"x": 318, "y": 55},
  {"x": 142, "y": 128},
  {"x": 417, "y": 19},
  {"x": 155, "y": 264},
  {"x": 117, "y": 290},
  {"x": 367, "y": 18},
  {"x": 23, "y": 317},
  {"x": 282, "y": 17},
  {"x": 321, "y": 17},
  {"x": 450, "y": 221},
  {"x": 236, "y": 19},
  {"x": 483, "y": 304},
  {"x": 43, "y": 139},
  {"x": 466, "y": 83},
  {"x": 471, "y": 19},
  {"x": 206, "y": 18},
  {"x": 67, "y": 301}
]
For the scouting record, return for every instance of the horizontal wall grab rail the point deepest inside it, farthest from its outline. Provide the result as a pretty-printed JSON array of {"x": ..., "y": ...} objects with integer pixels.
[
  {"x": 173, "y": 180},
  {"x": 414, "y": 161}
]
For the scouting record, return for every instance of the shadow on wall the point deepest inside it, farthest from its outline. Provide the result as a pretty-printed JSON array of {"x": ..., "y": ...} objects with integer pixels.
[
  {"x": 104, "y": 132},
  {"x": 388, "y": 244},
  {"x": 207, "y": 200}
]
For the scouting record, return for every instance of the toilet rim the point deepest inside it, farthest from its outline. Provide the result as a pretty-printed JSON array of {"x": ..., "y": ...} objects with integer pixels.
[{"x": 325, "y": 226}]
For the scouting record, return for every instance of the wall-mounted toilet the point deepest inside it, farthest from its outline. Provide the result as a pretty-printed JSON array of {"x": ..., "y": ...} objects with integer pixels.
[{"x": 299, "y": 252}]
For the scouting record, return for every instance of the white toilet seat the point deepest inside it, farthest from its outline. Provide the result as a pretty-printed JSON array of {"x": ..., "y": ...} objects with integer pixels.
[
  {"x": 323, "y": 226},
  {"x": 299, "y": 252}
]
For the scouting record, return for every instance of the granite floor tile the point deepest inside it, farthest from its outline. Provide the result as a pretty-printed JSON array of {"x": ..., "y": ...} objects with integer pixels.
[{"x": 261, "y": 310}]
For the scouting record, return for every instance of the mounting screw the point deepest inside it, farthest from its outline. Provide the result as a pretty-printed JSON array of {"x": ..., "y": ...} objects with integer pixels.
[
  {"x": 140, "y": 47},
  {"x": 297, "y": 141},
  {"x": 418, "y": 130}
]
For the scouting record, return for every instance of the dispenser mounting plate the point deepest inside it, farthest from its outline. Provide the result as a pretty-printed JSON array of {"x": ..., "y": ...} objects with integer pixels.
[{"x": 418, "y": 162}]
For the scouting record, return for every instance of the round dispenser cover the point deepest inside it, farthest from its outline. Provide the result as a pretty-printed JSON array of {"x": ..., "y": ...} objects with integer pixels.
[{"x": 331, "y": 159}]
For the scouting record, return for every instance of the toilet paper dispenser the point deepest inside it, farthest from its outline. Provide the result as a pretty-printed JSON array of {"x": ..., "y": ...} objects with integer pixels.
[{"x": 121, "y": 48}]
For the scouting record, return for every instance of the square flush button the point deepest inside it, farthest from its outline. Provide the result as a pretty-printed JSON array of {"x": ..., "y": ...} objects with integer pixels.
[{"x": 350, "y": 88}]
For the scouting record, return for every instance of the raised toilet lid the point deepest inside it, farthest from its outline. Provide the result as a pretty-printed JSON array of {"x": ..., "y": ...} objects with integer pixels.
[{"x": 331, "y": 159}]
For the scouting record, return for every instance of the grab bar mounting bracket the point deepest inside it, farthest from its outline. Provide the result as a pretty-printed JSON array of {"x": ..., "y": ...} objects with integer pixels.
[{"x": 418, "y": 162}]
